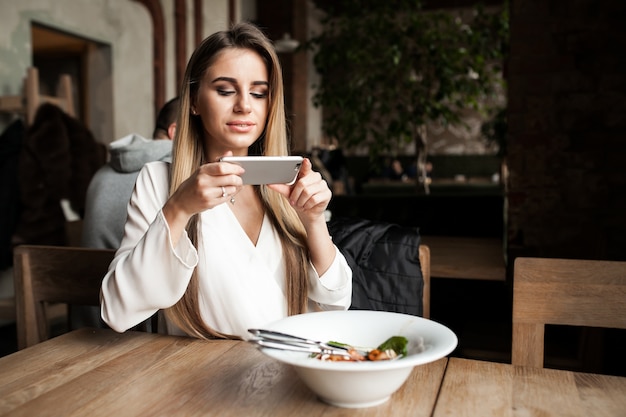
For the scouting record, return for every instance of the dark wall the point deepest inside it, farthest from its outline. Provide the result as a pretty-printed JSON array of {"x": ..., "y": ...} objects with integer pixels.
[
  {"x": 435, "y": 215},
  {"x": 567, "y": 129}
]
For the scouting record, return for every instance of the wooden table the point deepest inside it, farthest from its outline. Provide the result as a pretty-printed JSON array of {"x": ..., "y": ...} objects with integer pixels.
[
  {"x": 466, "y": 257},
  {"x": 96, "y": 372},
  {"x": 479, "y": 388}
]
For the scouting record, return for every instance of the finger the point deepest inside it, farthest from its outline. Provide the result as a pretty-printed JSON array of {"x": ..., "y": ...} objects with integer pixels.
[
  {"x": 283, "y": 189},
  {"x": 294, "y": 192},
  {"x": 232, "y": 190},
  {"x": 306, "y": 186},
  {"x": 314, "y": 195},
  {"x": 227, "y": 190},
  {"x": 306, "y": 168},
  {"x": 223, "y": 170}
]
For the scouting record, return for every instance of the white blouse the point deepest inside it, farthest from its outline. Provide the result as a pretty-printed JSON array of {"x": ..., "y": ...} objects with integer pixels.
[{"x": 241, "y": 285}]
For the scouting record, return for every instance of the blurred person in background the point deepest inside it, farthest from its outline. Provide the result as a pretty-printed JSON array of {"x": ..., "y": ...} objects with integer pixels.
[{"x": 111, "y": 187}]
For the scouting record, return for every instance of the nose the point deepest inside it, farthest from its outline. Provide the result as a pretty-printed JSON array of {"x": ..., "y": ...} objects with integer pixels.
[{"x": 243, "y": 104}]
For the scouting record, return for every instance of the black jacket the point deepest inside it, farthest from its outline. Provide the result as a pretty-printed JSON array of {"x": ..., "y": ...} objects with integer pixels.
[
  {"x": 384, "y": 258},
  {"x": 10, "y": 145},
  {"x": 57, "y": 160}
]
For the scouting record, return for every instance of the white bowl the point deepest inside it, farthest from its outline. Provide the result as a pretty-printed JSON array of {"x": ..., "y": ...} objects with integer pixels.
[{"x": 361, "y": 384}]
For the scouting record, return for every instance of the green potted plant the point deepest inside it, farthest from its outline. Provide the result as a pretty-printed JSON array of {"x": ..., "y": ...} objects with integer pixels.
[{"x": 389, "y": 67}]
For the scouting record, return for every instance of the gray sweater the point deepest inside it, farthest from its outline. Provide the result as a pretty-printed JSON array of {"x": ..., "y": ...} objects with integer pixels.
[{"x": 111, "y": 187}]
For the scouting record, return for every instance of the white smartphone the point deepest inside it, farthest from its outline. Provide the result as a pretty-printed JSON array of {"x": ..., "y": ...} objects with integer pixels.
[{"x": 267, "y": 169}]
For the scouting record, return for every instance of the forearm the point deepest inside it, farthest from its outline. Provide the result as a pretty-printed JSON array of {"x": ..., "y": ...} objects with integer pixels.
[
  {"x": 176, "y": 220},
  {"x": 333, "y": 290},
  {"x": 321, "y": 247}
]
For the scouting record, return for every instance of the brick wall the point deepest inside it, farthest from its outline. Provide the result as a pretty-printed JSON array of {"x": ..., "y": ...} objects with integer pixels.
[{"x": 566, "y": 191}]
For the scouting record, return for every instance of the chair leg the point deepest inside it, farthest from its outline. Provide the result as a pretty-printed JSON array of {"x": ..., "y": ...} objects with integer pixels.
[{"x": 528, "y": 344}]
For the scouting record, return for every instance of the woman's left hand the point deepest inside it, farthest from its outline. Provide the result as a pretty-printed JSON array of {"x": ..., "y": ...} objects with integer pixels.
[{"x": 309, "y": 195}]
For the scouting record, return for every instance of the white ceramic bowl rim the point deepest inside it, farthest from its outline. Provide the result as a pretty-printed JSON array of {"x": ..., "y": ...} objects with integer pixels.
[{"x": 439, "y": 341}]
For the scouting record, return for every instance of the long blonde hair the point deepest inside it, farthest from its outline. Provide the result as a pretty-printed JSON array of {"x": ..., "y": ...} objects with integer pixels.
[{"x": 189, "y": 153}]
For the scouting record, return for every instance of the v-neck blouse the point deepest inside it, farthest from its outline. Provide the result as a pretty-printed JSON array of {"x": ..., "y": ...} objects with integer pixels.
[{"x": 241, "y": 285}]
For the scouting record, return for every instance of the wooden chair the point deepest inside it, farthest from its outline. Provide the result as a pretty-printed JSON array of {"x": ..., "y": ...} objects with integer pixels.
[
  {"x": 424, "y": 255},
  {"x": 54, "y": 274},
  {"x": 563, "y": 292},
  {"x": 26, "y": 104}
]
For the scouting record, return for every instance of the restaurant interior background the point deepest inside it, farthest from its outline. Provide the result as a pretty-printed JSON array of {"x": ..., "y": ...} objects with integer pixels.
[{"x": 561, "y": 192}]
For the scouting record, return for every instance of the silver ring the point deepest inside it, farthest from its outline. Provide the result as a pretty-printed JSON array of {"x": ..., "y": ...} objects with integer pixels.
[{"x": 224, "y": 192}]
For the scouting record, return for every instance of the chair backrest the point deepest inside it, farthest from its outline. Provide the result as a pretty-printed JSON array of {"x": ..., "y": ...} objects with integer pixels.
[
  {"x": 424, "y": 256},
  {"x": 54, "y": 274},
  {"x": 28, "y": 102},
  {"x": 572, "y": 292}
]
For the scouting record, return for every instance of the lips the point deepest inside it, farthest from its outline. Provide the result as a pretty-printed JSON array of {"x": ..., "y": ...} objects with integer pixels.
[
  {"x": 238, "y": 123},
  {"x": 241, "y": 126}
]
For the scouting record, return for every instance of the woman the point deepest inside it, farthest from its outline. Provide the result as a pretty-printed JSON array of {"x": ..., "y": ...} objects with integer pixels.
[{"x": 220, "y": 257}]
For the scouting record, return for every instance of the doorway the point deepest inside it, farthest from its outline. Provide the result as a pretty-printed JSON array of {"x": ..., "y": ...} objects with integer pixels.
[{"x": 88, "y": 62}]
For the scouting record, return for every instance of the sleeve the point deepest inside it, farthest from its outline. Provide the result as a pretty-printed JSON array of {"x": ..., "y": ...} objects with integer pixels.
[
  {"x": 333, "y": 290},
  {"x": 105, "y": 210},
  {"x": 91, "y": 227},
  {"x": 147, "y": 273}
]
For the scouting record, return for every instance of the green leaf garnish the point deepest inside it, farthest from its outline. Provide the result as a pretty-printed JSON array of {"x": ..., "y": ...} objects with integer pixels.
[{"x": 396, "y": 343}]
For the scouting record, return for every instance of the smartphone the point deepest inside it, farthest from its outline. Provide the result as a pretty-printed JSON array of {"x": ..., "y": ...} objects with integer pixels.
[{"x": 267, "y": 169}]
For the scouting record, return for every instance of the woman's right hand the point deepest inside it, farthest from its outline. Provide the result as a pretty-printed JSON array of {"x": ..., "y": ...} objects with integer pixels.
[{"x": 210, "y": 185}]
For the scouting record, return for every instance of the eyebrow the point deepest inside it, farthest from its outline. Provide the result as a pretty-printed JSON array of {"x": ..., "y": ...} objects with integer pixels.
[{"x": 234, "y": 81}]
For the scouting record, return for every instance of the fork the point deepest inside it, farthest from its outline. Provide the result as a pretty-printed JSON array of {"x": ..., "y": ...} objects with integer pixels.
[{"x": 278, "y": 340}]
